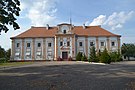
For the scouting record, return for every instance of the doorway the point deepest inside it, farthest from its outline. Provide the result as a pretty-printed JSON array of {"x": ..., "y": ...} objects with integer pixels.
[{"x": 64, "y": 55}]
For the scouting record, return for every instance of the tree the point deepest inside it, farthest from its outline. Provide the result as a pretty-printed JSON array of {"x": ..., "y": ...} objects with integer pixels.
[
  {"x": 84, "y": 58},
  {"x": 92, "y": 56},
  {"x": 8, "y": 54},
  {"x": 8, "y": 10},
  {"x": 128, "y": 50},
  {"x": 2, "y": 52},
  {"x": 105, "y": 58},
  {"x": 79, "y": 56}
]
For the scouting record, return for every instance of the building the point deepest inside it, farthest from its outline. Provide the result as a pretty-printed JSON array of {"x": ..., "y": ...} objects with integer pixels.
[{"x": 64, "y": 40}]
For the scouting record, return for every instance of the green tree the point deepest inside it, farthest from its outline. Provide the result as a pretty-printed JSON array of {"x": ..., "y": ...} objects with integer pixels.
[
  {"x": 8, "y": 10},
  {"x": 92, "y": 56},
  {"x": 114, "y": 56},
  {"x": 84, "y": 58},
  {"x": 8, "y": 54},
  {"x": 105, "y": 58},
  {"x": 2, "y": 52},
  {"x": 128, "y": 50},
  {"x": 79, "y": 56}
]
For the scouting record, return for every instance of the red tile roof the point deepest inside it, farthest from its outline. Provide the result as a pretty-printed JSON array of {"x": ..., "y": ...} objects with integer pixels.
[
  {"x": 92, "y": 31},
  {"x": 78, "y": 30}
]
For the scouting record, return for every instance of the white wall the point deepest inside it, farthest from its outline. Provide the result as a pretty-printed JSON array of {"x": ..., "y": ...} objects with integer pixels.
[
  {"x": 18, "y": 50},
  {"x": 50, "y": 50},
  {"x": 83, "y": 48},
  {"x": 91, "y": 39},
  {"x": 102, "y": 39},
  {"x": 28, "y": 50},
  {"x": 113, "y": 39},
  {"x": 39, "y": 50}
]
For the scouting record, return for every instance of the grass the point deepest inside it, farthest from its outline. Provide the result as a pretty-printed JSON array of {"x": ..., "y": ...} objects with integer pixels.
[{"x": 14, "y": 64}]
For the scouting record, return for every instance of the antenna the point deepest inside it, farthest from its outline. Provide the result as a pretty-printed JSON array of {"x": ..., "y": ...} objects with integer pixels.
[{"x": 70, "y": 18}]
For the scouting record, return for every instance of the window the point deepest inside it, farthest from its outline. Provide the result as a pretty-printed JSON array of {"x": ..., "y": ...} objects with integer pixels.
[
  {"x": 49, "y": 44},
  {"x": 91, "y": 44},
  {"x": 28, "y": 44},
  {"x": 18, "y": 45},
  {"x": 102, "y": 43},
  {"x": 113, "y": 43},
  {"x": 39, "y": 45},
  {"x": 61, "y": 43},
  {"x": 68, "y": 43},
  {"x": 64, "y": 31},
  {"x": 80, "y": 44}
]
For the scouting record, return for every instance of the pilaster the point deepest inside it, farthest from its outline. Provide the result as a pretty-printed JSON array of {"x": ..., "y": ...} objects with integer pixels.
[
  {"x": 13, "y": 49},
  {"x": 118, "y": 39},
  {"x": 22, "y": 56},
  {"x": 33, "y": 49},
  {"x": 108, "y": 44},
  {"x": 56, "y": 48},
  {"x": 97, "y": 44},
  {"x": 44, "y": 49},
  {"x": 86, "y": 45}
]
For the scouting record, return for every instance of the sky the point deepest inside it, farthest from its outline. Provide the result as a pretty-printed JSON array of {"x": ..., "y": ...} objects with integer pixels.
[{"x": 116, "y": 16}]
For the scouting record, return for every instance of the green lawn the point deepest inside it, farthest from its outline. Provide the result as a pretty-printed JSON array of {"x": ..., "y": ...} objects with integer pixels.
[{"x": 14, "y": 64}]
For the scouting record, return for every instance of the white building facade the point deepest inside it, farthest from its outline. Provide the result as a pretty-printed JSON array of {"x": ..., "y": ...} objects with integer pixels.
[{"x": 64, "y": 41}]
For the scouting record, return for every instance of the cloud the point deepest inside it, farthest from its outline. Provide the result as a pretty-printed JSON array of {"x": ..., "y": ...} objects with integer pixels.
[
  {"x": 114, "y": 21},
  {"x": 40, "y": 12},
  {"x": 99, "y": 20}
]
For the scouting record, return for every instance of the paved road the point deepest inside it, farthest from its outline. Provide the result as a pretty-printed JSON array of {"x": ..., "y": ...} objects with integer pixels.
[{"x": 69, "y": 76}]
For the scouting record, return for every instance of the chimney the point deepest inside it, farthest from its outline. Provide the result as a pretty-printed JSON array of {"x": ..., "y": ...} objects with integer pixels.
[
  {"x": 84, "y": 26},
  {"x": 47, "y": 26},
  {"x": 99, "y": 25},
  {"x": 32, "y": 26}
]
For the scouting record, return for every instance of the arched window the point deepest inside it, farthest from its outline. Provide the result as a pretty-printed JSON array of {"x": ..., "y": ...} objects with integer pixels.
[{"x": 64, "y": 31}]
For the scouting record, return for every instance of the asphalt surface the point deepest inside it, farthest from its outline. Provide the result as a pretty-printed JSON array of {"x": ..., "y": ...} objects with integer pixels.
[{"x": 69, "y": 76}]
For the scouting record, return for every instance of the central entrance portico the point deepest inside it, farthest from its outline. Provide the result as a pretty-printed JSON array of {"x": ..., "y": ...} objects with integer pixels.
[{"x": 65, "y": 55}]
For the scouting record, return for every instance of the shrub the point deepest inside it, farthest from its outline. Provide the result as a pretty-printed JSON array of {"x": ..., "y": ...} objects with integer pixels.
[
  {"x": 3, "y": 60},
  {"x": 84, "y": 58},
  {"x": 115, "y": 56},
  {"x": 119, "y": 56},
  {"x": 79, "y": 56},
  {"x": 59, "y": 59},
  {"x": 105, "y": 58},
  {"x": 70, "y": 59}
]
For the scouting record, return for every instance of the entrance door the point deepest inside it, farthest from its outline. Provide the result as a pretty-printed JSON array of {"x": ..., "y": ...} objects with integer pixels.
[{"x": 64, "y": 55}]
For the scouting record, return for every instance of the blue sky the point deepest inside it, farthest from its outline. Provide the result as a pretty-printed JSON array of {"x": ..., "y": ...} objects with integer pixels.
[{"x": 116, "y": 16}]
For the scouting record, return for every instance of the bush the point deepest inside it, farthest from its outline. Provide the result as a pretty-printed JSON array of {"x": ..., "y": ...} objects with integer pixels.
[
  {"x": 3, "y": 60},
  {"x": 115, "y": 56},
  {"x": 79, "y": 56},
  {"x": 70, "y": 59},
  {"x": 84, "y": 58},
  {"x": 59, "y": 59},
  {"x": 105, "y": 58}
]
